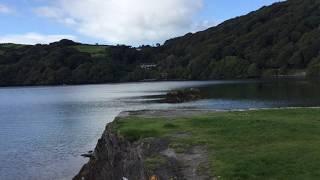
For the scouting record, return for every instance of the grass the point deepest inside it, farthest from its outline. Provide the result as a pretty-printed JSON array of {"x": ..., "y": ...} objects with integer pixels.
[
  {"x": 11, "y": 45},
  {"x": 95, "y": 51},
  {"x": 5, "y": 46},
  {"x": 263, "y": 144},
  {"x": 154, "y": 162}
]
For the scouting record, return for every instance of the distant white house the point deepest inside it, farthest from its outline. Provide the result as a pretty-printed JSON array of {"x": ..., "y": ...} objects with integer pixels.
[{"x": 148, "y": 66}]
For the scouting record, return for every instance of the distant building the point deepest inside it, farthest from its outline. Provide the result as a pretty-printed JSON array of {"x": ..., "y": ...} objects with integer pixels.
[
  {"x": 164, "y": 75},
  {"x": 148, "y": 66}
]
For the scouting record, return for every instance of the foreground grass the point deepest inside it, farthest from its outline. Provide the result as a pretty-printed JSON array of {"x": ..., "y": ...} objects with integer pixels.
[{"x": 264, "y": 144}]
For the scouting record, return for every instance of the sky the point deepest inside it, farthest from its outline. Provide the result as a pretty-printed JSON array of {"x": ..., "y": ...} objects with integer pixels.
[{"x": 131, "y": 22}]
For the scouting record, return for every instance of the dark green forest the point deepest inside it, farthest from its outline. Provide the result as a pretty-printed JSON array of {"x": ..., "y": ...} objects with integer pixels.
[{"x": 281, "y": 39}]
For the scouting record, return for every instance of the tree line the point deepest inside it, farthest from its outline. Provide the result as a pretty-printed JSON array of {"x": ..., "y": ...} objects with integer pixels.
[{"x": 280, "y": 39}]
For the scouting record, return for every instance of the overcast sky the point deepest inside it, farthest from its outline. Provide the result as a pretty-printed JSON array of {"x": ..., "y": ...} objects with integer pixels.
[{"x": 131, "y": 22}]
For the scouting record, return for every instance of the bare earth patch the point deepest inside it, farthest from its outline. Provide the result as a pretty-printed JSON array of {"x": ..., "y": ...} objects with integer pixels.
[{"x": 194, "y": 162}]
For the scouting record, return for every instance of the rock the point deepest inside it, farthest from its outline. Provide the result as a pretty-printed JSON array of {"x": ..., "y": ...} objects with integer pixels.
[
  {"x": 117, "y": 158},
  {"x": 114, "y": 158},
  {"x": 88, "y": 155},
  {"x": 180, "y": 96}
]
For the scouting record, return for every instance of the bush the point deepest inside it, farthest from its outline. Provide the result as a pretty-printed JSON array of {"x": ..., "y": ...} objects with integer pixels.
[
  {"x": 253, "y": 71},
  {"x": 230, "y": 67},
  {"x": 314, "y": 68}
]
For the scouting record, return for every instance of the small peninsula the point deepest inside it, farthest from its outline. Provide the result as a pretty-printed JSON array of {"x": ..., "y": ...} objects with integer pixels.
[{"x": 204, "y": 144}]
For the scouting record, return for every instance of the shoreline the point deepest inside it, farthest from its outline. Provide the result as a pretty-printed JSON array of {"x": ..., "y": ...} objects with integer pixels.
[
  {"x": 116, "y": 156},
  {"x": 279, "y": 77}
]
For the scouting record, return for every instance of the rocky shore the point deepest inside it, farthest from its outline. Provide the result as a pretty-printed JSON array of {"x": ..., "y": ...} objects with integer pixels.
[
  {"x": 206, "y": 145},
  {"x": 117, "y": 158}
]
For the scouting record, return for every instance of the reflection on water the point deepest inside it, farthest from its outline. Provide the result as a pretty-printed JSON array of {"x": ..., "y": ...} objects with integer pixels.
[
  {"x": 267, "y": 93},
  {"x": 45, "y": 129}
]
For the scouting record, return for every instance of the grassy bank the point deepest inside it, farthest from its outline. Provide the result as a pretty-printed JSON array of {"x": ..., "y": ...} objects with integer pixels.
[{"x": 262, "y": 144}]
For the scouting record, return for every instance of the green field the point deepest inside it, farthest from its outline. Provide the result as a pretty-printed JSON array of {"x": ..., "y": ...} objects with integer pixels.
[
  {"x": 95, "y": 51},
  {"x": 6, "y": 46},
  {"x": 262, "y": 144},
  {"x": 11, "y": 45}
]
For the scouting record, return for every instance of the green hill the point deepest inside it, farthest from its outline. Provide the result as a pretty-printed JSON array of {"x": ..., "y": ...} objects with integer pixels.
[{"x": 280, "y": 39}]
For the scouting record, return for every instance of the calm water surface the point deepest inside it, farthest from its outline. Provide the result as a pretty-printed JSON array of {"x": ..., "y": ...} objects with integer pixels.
[{"x": 43, "y": 130}]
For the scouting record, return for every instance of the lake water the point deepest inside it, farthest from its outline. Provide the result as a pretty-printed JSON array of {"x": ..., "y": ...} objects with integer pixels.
[{"x": 44, "y": 130}]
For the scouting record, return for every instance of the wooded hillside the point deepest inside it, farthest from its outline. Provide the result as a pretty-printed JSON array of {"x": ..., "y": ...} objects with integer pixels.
[{"x": 280, "y": 39}]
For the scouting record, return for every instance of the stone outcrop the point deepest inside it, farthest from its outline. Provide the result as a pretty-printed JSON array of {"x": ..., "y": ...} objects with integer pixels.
[
  {"x": 113, "y": 158},
  {"x": 116, "y": 158},
  {"x": 185, "y": 95}
]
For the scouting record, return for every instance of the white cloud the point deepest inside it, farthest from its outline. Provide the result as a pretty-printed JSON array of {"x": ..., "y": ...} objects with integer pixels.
[
  {"x": 5, "y": 9},
  {"x": 55, "y": 13},
  {"x": 33, "y": 38},
  {"x": 126, "y": 21}
]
